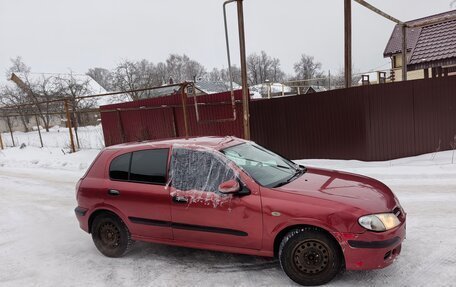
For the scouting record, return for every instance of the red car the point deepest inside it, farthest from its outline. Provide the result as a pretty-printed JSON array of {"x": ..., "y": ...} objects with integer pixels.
[{"x": 231, "y": 195}]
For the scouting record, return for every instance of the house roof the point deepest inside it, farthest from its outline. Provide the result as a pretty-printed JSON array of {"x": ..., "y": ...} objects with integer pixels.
[
  {"x": 210, "y": 87},
  {"x": 431, "y": 43},
  {"x": 315, "y": 88},
  {"x": 55, "y": 78}
]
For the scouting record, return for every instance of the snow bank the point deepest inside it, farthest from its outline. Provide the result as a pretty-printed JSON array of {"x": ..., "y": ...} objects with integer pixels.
[
  {"x": 90, "y": 137},
  {"x": 47, "y": 158}
]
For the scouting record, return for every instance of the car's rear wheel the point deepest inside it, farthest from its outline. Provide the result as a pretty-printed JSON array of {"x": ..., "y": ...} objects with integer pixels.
[
  {"x": 310, "y": 257},
  {"x": 111, "y": 236}
]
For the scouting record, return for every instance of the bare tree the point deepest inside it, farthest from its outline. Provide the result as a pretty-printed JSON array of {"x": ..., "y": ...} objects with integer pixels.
[
  {"x": 262, "y": 68},
  {"x": 307, "y": 68},
  {"x": 181, "y": 68},
  {"x": 102, "y": 76},
  {"x": 14, "y": 97},
  {"x": 222, "y": 75},
  {"x": 130, "y": 75}
]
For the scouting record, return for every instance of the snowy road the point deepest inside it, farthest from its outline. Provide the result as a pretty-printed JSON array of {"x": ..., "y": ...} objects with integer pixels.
[{"x": 41, "y": 243}]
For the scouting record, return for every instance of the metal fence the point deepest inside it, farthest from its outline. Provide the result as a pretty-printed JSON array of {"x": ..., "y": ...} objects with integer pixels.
[
  {"x": 375, "y": 122},
  {"x": 163, "y": 117}
]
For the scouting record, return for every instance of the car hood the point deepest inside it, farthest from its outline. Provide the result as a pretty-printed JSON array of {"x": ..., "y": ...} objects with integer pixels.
[{"x": 367, "y": 194}]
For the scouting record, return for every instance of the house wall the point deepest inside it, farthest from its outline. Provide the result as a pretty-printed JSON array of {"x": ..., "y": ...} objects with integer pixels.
[{"x": 411, "y": 75}]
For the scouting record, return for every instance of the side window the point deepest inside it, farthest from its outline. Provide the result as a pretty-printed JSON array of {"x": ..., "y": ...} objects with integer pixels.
[
  {"x": 198, "y": 170},
  {"x": 119, "y": 167},
  {"x": 149, "y": 166}
]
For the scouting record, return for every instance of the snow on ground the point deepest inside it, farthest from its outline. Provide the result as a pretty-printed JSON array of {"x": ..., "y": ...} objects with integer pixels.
[
  {"x": 90, "y": 137},
  {"x": 41, "y": 243}
]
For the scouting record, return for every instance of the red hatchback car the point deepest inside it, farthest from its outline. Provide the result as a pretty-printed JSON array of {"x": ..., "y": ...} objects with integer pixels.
[{"x": 231, "y": 195}]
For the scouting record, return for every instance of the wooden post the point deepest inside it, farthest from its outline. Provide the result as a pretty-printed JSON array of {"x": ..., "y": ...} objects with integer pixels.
[
  {"x": 404, "y": 53},
  {"x": 1, "y": 141},
  {"x": 10, "y": 130},
  {"x": 348, "y": 43},
  {"x": 329, "y": 80},
  {"x": 245, "y": 87},
  {"x": 184, "y": 109},
  {"x": 39, "y": 131},
  {"x": 70, "y": 128}
]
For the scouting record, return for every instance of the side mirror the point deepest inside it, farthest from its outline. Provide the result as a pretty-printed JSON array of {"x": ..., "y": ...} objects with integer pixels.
[{"x": 229, "y": 187}]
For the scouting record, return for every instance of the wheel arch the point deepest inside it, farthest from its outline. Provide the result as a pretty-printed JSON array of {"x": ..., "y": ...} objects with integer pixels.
[
  {"x": 99, "y": 212},
  {"x": 287, "y": 229}
]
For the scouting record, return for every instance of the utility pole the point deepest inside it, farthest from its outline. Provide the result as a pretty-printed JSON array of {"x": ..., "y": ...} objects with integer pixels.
[
  {"x": 348, "y": 43},
  {"x": 245, "y": 88},
  {"x": 404, "y": 52}
]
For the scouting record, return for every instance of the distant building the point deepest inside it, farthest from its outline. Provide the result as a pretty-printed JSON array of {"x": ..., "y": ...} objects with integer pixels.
[
  {"x": 431, "y": 49},
  {"x": 314, "y": 89}
]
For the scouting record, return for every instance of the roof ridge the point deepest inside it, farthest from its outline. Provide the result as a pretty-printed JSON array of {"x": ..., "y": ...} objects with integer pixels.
[{"x": 431, "y": 16}]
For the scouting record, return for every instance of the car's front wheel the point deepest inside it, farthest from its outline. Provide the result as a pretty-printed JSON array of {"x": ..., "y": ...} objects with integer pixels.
[
  {"x": 111, "y": 236},
  {"x": 310, "y": 257}
]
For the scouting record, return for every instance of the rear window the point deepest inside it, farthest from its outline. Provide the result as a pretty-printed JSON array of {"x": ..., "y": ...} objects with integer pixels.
[
  {"x": 119, "y": 167},
  {"x": 149, "y": 166},
  {"x": 146, "y": 166}
]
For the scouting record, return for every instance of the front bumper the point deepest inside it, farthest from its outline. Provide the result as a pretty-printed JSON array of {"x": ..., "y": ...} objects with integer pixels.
[{"x": 372, "y": 250}]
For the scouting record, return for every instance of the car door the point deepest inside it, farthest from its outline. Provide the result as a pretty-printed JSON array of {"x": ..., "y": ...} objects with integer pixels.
[
  {"x": 200, "y": 213},
  {"x": 137, "y": 189}
]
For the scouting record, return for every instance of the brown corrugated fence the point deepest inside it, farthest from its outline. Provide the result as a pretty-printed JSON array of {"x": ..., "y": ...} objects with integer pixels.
[{"x": 376, "y": 122}]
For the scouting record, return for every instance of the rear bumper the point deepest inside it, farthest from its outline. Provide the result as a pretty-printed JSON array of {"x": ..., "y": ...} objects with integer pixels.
[
  {"x": 372, "y": 250},
  {"x": 81, "y": 215}
]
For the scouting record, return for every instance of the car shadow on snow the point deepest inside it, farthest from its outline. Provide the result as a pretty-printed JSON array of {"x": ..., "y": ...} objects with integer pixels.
[{"x": 204, "y": 260}]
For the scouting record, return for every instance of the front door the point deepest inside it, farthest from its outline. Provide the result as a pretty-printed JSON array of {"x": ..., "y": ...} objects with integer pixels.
[{"x": 200, "y": 213}]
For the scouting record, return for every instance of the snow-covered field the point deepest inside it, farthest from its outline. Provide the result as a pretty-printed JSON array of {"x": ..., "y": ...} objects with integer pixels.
[{"x": 41, "y": 243}]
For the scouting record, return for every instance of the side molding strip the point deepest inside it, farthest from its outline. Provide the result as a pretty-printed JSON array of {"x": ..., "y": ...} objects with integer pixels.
[{"x": 184, "y": 226}]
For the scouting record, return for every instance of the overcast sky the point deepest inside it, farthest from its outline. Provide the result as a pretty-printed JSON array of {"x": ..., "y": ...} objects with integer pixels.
[{"x": 61, "y": 35}]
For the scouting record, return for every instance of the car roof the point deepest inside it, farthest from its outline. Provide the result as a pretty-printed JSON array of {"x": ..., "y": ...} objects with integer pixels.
[{"x": 217, "y": 143}]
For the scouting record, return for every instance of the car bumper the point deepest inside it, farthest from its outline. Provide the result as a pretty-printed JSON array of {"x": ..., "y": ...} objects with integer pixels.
[
  {"x": 81, "y": 215},
  {"x": 372, "y": 250}
]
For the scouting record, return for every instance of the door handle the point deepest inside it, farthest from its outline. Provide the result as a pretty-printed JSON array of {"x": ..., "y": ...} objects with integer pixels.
[
  {"x": 180, "y": 199},
  {"x": 113, "y": 192}
]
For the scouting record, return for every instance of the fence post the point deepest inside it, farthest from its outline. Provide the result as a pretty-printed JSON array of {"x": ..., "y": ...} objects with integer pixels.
[
  {"x": 39, "y": 131},
  {"x": 184, "y": 109},
  {"x": 1, "y": 141},
  {"x": 10, "y": 130},
  {"x": 70, "y": 129}
]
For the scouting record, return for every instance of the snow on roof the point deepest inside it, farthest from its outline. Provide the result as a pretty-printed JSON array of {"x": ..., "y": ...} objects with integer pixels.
[
  {"x": 93, "y": 87},
  {"x": 216, "y": 87},
  {"x": 276, "y": 88}
]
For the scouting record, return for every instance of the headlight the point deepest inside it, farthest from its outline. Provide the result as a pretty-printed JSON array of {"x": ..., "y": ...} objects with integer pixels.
[{"x": 379, "y": 222}]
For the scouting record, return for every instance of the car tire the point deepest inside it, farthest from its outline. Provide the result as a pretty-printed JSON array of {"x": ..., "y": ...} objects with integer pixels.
[
  {"x": 111, "y": 236},
  {"x": 310, "y": 257}
]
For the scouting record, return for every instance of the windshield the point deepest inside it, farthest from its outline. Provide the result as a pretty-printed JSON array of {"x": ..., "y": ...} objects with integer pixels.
[{"x": 264, "y": 166}]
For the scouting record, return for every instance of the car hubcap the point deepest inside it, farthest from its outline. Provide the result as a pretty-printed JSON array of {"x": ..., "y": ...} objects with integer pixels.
[
  {"x": 109, "y": 235},
  {"x": 311, "y": 257}
]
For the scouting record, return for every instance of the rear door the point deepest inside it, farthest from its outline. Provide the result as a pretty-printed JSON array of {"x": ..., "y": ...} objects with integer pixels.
[
  {"x": 200, "y": 213},
  {"x": 137, "y": 189}
]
